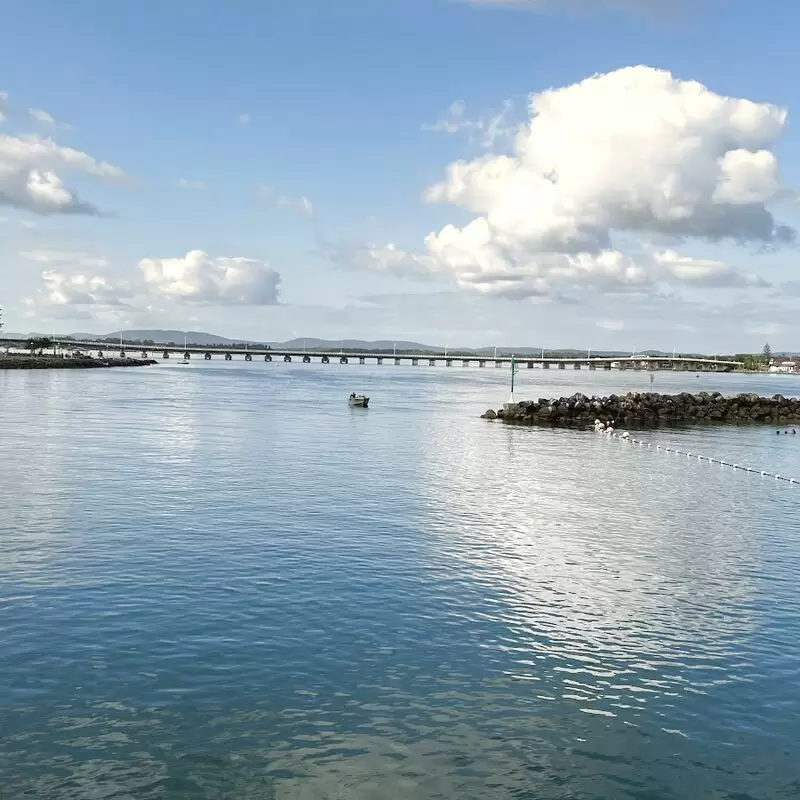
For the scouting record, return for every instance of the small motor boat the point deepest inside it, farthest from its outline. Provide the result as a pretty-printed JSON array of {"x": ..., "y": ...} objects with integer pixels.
[{"x": 358, "y": 400}]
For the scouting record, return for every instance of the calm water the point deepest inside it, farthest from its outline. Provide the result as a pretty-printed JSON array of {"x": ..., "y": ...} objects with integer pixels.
[{"x": 218, "y": 581}]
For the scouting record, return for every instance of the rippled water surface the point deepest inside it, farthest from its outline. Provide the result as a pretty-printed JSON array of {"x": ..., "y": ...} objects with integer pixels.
[{"x": 219, "y": 581}]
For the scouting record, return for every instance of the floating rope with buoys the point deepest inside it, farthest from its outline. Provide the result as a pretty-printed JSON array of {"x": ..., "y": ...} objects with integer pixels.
[{"x": 626, "y": 437}]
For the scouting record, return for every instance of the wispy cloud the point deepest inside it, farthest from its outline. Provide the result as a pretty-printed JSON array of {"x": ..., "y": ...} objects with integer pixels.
[
  {"x": 611, "y": 324},
  {"x": 660, "y": 8},
  {"x": 39, "y": 115},
  {"x": 186, "y": 183},
  {"x": 46, "y": 120},
  {"x": 486, "y": 130},
  {"x": 62, "y": 257},
  {"x": 267, "y": 194}
]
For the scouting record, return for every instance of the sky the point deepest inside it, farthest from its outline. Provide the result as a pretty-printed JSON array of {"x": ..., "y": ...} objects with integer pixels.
[{"x": 560, "y": 173}]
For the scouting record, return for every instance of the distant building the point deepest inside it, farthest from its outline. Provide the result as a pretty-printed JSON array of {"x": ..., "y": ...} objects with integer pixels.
[{"x": 783, "y": 366}]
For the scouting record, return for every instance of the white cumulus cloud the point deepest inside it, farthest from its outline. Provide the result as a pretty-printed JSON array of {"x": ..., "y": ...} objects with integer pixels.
[
  {"x": 79, "y": 289},
  {"x": 30, "y": 168},
  {"x": 199, "y": 278},
  {"x": 634, "y": 154},
  {"x": 476, "y": 259},
  {"x": 632, "y": 150}
]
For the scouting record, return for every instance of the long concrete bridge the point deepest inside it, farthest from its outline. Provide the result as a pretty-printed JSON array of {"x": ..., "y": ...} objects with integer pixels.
[{"x": 687, "y": 363}]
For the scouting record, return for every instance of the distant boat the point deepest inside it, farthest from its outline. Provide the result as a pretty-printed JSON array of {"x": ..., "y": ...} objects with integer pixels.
[{"x": 358, "y": 400}]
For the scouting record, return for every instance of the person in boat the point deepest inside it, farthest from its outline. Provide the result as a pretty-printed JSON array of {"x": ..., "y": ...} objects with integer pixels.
[{"x": 353, "y": 396}]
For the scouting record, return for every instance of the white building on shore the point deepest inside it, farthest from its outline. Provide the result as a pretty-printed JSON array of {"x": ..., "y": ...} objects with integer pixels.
[{"x": 784, "y": 366}]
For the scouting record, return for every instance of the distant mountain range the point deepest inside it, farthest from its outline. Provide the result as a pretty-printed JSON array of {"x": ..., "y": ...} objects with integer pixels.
[
  {"x": 210, "y": 339},
  {"x": 200, "y": 338},
  {"x": 309, "y": 343}
]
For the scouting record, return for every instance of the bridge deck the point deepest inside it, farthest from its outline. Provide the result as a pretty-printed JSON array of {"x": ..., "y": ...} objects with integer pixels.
[{"x": 338, "y": 354}]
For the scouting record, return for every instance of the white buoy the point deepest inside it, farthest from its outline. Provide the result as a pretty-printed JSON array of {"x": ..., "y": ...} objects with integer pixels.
[{"x": 608, "y": 430}]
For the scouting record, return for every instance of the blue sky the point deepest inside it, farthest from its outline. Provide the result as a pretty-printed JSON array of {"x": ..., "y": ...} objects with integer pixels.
[{"x": 305, "y": 135}]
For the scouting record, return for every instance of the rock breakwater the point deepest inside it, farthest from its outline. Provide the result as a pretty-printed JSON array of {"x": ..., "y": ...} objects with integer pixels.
[
  {"x": 651, "y": 410},
  {"x": 55, "y": 362}
]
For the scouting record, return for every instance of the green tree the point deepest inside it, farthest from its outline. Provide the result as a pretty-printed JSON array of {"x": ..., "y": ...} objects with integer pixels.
[
  {"x": 38, "y": 344},
  {"x": 766, "y": 353}
]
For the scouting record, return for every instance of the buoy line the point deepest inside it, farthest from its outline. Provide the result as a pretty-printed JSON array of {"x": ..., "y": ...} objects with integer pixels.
[{"x": 626, "y": 437}]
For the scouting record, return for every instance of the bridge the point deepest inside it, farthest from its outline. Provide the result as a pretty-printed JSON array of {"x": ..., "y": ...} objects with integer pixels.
[{"x": 165, "y": 351}]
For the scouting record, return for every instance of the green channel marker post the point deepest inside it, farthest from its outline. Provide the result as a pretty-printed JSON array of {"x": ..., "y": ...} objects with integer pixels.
[{"x": 514, "y": 368}]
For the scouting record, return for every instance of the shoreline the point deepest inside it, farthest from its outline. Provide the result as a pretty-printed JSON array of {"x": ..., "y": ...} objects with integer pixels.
[
  {"x": 649, "y": 410},
  {"x": 58, "y": 362}
]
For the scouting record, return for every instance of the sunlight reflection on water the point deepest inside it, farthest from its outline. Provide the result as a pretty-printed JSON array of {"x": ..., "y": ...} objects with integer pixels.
[{"x": 220, "y": 581}]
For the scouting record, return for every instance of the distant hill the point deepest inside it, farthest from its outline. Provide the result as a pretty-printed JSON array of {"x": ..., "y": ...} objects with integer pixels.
[
  {"x": 160, "y": 337},
  {"x": 201, "y": 338},
  {"x": 383, "y": 345}
]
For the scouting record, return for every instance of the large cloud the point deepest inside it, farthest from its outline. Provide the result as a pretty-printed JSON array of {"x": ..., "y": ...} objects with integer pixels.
[
  {"x": 80, "y": 289},
  {"x": 198, "y": 278},
  {"x": 29, "y": 175},
  {"x": 633, "y": 153}
]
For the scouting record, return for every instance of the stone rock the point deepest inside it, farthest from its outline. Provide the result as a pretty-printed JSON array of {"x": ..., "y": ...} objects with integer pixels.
[{"x": 650, "y": 409}]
